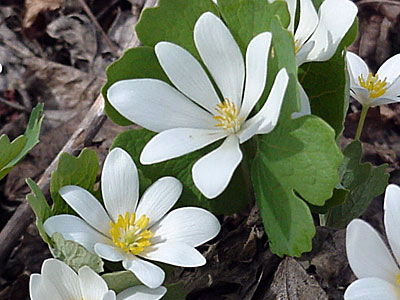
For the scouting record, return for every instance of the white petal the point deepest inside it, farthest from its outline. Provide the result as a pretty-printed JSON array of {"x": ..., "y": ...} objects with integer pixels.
[
  {"x": 292, "y": 4},
  {"x": 384, "y": 100},
  {"x": 64, "y": 279},
  {"x": 391, "y": 218},
  {"x": 390, "y": 69},
  {"x": 42, "y": 289},
  {"x": 75, "y": 229},
  {"x": 213, "y": 172},
  {"x": 362, "y": 95},
  {"x": 270, "y": 111},
  {"x": 159, "y": 198},
  {"x": 87, "y": 207},
  {"x": 305, "y": 108},
  {"x": 186, "y": 73},
  {"x": 303, "y": 52},
  {"x": 155, "y": 105},
  {"x": 221, "y": 55},
  {"x": 177, "y": 142},
  {"x": 190, "y": 225},
  {"x": 371, "y": 289},
  {"x": 248, "y": 130},
  {"x": 92, "y": 285},
  {"x": 174, "y": 253},
  {"x": 335, "y": 19},
  {"x": 367, "y": 254},
  {"x": 119, "y": 183},
  {"x": 149, "y": 274},
  {"x": 308, "y": 22},
  {"x": 393, "y": 90},
  {"x": 356, "y": 67},
  {"x": 110, "y": 295},
  {"x": 256, "y": 71},
  {"x": 108, "y": 252},
  {"x": 141, "y": 292}
]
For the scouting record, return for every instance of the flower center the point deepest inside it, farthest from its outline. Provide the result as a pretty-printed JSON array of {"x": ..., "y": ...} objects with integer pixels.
[
  {"x": 228, "y": 116},
  {"x": 373, "y": 84},
  {"x": 130, "y": 235}
]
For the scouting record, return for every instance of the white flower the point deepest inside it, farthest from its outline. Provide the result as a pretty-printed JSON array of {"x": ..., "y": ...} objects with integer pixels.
[
  {"x": 318, "y": 35},
  {"x": 192, "y": 116},
  {"x": 378, "y": 89},
  {"x": 59, "y": 282},
  {"x": 128, "y": 231},
  {"x": 370, "y": 259}
]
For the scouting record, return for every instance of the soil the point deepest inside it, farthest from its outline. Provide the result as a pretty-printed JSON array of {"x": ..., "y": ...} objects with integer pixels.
[{"x": 53, "y": 52}]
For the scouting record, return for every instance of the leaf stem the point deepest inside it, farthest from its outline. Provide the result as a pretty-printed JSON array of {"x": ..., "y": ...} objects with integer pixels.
[{"x": 361, "y": 122}]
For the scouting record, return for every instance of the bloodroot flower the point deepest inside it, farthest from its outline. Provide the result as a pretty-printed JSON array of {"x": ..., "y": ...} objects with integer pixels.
[
  {"x": 192, "y": 115},
  {"x": 59, "y": 282},
  {"x": 371, "y": 261},
  {"x": 134, "y": 232}
]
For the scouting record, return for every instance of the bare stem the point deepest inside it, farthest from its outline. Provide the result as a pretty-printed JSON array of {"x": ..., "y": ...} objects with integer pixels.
[{"x": 361, "y": 122}]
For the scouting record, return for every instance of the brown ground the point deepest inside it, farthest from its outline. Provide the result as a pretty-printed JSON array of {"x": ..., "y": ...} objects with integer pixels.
[{"x": 46, "y": 59}]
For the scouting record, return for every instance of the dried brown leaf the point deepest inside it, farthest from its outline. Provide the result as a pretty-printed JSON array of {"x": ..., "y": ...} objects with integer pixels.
[{"x": 34, "y": 7}]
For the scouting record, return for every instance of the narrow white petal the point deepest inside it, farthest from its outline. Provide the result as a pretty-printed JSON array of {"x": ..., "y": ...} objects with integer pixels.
[
  {"x": 155, "y": 105},
  {"x": 362, "y": 95},
  {"x": 303, "y": 52},
  {"x": 63, "y": 278},
  {"x": 390, "y": 69},
  {"x": 159, "y": 198},
  {"x": 384, "y": 100},
  {"x": 92, "y": 285},
  {"x": 269, "y": 113},
  {"x": 256, "y": 71},
  {"x": 308, "y": 22},
  {"x": 87, "y": 207},
  {"x": 391, "y": 218},
  {"x": 141, "y": 292},
  {"x": 305, "y": 108},
  {"x": 190, "y": 225},
  {"x": 174, "y": 253},
  {"x": 335, "y": 19},
  {"x": 367, "y": 254},
  {"x": 356, "y": 67},
  {"x": 292, "y": 4},
  {"x": 119, "y": 184},
  {"x": 75, "y": 229},
  {"x": 109, "y": 252},
  {"x": 177, "y": 142},
  {"x": 393, "y": 89},
  {"x": 213, "y": 172},
  {"x": 248, "y": 130},
  {"x": 372, "y": 289},
  {"x": 110, "y": 295},
  {"x": 149, "y": 274},
  {"x": 42, "y": 289},
  {"x": 221, "y": 55},
  {"x": 186, "y": 73}
]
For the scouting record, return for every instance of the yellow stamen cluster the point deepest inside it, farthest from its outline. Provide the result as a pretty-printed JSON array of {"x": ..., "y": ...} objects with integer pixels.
[
  {"x": 228, "y": 117},
  {"x": 129, "y": 234},
  {"x": 373, "y": 84}
]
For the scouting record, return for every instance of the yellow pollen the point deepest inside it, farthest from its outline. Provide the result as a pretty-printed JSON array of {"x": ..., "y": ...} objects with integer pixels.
[
  {"x": 228, "y": 117},
  {"x": 130, "y": 235},
  {"x": 296, "y": 46},
  {"x": 373, "y": 84},
  {"x": 398, "y": 279}
]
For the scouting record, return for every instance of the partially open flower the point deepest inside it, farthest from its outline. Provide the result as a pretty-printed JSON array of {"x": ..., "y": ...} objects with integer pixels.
[
  {"x": 128, "y": 230},
  {"x": 192, "y": 115},
  {"x": 59, "y": 282},
  {"x": 374, "y": 89},
  {"x": 371, "y": 261}
]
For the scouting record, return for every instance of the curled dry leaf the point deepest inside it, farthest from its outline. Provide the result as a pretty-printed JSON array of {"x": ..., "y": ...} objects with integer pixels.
[{"x": 34, "y": 7}]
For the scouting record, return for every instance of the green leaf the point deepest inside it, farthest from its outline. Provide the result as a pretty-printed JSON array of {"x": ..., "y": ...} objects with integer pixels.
[
  {"x": 338, "y": 197},
  {"x": 233, "y": 199},
  {"x": 247, "y": 18},
  {"x": 13, "y": 153},
  {"x": 74, "y": 255},
  {"x": 139, "y": 62},
  {"x": 364, "y": 183},
  {"x": 172, "y": 21},
  {"x": 80, "y": 171},
  {"x": 297, "y": 162},
  {"x": 329, "y": 100},
  {"x": 8, "y": 151},
  {"x": 40, "y": 207},
  {"x": 121, "y": 280},
  {"x": 175, "y": 291}
]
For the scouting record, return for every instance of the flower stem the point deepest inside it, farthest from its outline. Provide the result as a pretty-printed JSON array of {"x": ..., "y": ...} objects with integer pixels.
[{"x": 361, "y": 122}]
